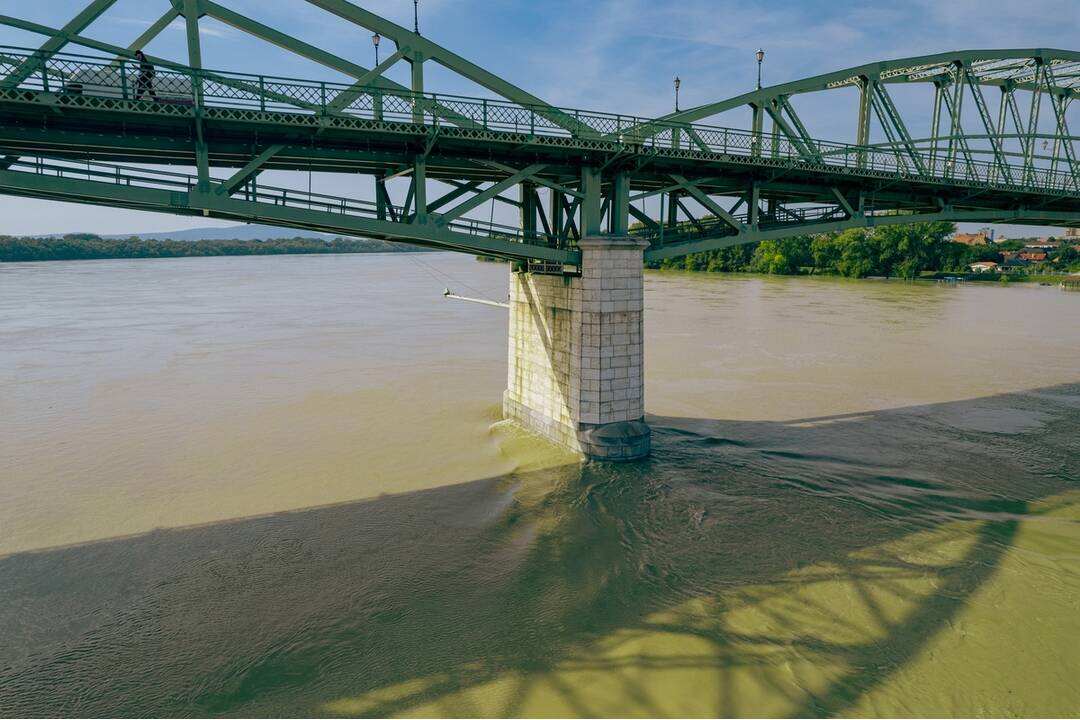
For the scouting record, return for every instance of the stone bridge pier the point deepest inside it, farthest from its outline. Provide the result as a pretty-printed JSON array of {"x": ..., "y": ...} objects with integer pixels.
[{"x": 576, "y": 371}]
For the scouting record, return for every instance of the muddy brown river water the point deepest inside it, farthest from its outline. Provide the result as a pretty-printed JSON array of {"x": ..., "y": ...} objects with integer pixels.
[{"x": 278, "y": 486}]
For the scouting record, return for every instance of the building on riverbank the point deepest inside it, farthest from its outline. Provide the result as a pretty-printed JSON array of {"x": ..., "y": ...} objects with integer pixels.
[
  {"x": 976, "y": 238},
  {"x": 1033, "y": 255},
  {"x": 1014, "y": 265}
]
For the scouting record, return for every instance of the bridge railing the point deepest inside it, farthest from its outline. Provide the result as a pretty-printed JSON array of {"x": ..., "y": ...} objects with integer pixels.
[{"x": 173, "y": 85}]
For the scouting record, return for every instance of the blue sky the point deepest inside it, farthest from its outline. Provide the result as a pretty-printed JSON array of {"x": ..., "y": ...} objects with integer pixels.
[{"x": 615, "y": 55}]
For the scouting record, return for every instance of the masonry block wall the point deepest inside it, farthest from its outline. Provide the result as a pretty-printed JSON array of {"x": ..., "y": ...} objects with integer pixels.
[{"x": 576, "y": 372}]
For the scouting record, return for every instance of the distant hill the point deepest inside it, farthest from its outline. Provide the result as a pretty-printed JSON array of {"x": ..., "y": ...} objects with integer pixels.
[
  {"x": 249, "y": 232},
  {"x": 85, "y": 246},
  {"x": 237, "y": 232}
]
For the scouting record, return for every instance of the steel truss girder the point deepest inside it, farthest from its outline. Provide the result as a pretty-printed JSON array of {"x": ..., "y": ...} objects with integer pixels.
[
  {"x": 406, "y": 129},
  {"x": 1062, "y": 138},
  {"x": 891, "y": 71},
  {"x": 217, "y": 205},
  {"x": 489, "y": 194},
  {"x": 452, "y": 61},
  {"x": 984, "y": 115},
  {"x": 305, "y": 50},
  {"x": 889, "y": 116},
  {"x": 128, "y": 53},
  {"x": 58, "y": 40},
  {"x": 708, "y": 202},
  {"x": 249, "y": 171}
]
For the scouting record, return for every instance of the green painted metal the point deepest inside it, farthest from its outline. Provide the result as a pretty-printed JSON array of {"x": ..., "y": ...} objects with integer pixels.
[
  {"x": 96, "y": 183},
  {"x": 844, "y": 203},
  {"x": 709, "y": 204},
  {"x": 1033, "y": 118},
  {"x": 591, "y": 215},
  {"x": 57, "y": 41},
  {"x": 222, "y": 98},
  {"x": 432, "y": 51},
  {"x": 935, "y": 122},
  {"x": 496, "y": 189},
  {"x": 890, "y": 116},
  {"x": 249, "y": 171},
  {"x": 920, "y": 69},
  {"x": 619, "y": 205},
  {"x": 716, "y": 186},
  {"x": 149, "y": 34}
]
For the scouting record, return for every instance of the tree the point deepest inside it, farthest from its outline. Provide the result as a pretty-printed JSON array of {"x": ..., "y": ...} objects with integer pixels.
[
  {"x": 731, "y": 259},
  {"x": 782, "y": 257},
  {"x": 906, "y": 250},
  {"x": 858, "y": 256},
  {"x": 769, "y": 258},
  {"x": 825, "y": 250}
]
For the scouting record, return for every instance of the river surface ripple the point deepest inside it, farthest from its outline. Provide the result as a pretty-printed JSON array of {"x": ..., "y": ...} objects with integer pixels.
[{"x": 277, "y": 486}]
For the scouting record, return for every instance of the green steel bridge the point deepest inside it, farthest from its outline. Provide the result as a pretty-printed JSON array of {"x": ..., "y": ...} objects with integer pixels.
[{"x": 78, "y": 128}]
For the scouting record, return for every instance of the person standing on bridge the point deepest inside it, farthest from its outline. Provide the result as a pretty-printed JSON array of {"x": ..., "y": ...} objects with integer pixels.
[{"x": 145, "y": 83}]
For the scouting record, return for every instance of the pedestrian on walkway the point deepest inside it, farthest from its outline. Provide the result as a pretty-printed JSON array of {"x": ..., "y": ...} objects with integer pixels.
[{"x": 145, "y": 83}]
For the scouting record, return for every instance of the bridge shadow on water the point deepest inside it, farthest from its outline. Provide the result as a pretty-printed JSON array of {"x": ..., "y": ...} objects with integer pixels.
[{"x": 748, "y": 568}]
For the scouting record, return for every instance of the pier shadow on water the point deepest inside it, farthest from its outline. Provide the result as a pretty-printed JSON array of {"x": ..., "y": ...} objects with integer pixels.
[{"x": 749, "y": 568}]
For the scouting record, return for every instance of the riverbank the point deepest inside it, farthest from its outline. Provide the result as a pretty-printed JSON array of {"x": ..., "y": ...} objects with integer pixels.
[
  {"x": 909, "y": 251},
  {"x": 92, "y": 247},
  {"x": 1037, "y": 278},
  {"x": 931, "y": 276}
]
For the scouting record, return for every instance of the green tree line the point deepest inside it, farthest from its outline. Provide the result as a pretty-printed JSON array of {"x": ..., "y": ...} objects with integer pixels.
[
  {"x": 85, "y": 246},
  {"x": 891, "y": 251}
]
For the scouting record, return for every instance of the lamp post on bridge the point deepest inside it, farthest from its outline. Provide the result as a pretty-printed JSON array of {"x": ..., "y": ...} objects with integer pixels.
[
  {"x": 416, "y": 16},
  {"x": 375, "y": 41},
  {"x": 678, "y": 82},
  {"x": 760, "y": 57}
]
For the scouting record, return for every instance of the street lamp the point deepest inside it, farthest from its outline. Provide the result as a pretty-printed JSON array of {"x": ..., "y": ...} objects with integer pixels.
[
  {"x": 760, "y": 57},
  {"x": 375, "y": 41},
  {"x": 678, "y": 82},
  {"x": 415, "y": 17}
]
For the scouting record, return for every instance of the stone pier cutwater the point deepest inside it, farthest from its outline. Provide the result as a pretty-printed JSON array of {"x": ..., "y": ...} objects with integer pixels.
[{"x": 576, "y": 374}]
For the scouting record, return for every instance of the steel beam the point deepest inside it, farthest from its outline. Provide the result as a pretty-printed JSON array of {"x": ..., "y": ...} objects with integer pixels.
[
  {"x": 591, "y": 219},
  {"x": 347, "y": 97},
  {"x": 708, "y": 202},
  {"x": 890, "y": 114},
  {"x": 1033, "y": 123},
  {"x": 57, "y": 41},
  {"x": 481, "y": 197},
  {"x": 221, "y": 206},
  {"x": 843, "y": 202},
  {"x": 984, "y": 114},
  {"x": 451, "y": 61},
  {"x": 619, "y": 205},
  {"x": 249, "y": 171},
  {"x": 419, "y": 190},
  {"x": 150, "y": 33}
]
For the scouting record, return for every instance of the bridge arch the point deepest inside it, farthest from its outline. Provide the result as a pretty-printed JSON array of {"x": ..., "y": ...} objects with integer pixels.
[{"x": 1025, "y": 121}]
